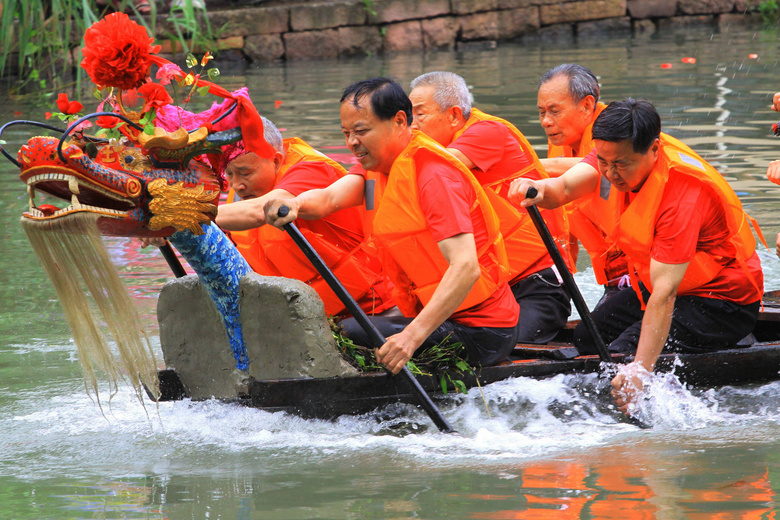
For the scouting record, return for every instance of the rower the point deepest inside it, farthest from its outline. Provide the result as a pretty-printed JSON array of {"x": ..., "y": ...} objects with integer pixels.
[
  {"x": 295, "y": 168},
  {"x": 696, "y": 276},
  {"x": 497, "y": 153},
  {"x": 290, "y": 168},
  {"x": 433, "y": 224},
  {"x": 568, "y": 103}
]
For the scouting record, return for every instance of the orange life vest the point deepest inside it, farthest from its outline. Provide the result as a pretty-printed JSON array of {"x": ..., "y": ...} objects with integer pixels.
[
  {"x": 413, "y": 261},
  {"x": 583, "y": 216},
  {"x": 271, "y": 252},
  {"x": 524, "y": 246},
  {"x": 632, "y": 227}
]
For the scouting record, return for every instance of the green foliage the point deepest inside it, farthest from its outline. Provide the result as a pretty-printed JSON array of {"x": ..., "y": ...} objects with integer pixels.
[
  {"x": 368, "y": 5},
  {"x": 39, "y": 35},
  {"x": 191, "y": 27},
  {"x": 769, "y": 11},
  {"x": 445, "y": 359},
  {"x": 358, "y": 356}
]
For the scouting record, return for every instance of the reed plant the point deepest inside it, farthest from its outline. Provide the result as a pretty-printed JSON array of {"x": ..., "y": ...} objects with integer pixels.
[
  {"x": 40, "y": 34},
  {"x": 38, "y": 37}
]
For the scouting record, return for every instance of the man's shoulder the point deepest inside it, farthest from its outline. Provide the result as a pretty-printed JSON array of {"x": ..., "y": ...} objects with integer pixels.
[
  {"x": 487, "y": 125},
  {"x": 313, "y": 173}
]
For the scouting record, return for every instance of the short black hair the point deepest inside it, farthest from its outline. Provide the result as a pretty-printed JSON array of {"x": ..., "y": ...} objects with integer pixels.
[
  {"x": 635, "y": 120},
  {"x": 387, "y": 97}
]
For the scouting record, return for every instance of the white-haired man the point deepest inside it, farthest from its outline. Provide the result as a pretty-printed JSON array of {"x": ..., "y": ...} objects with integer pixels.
[{"x": 496, "y": 152}]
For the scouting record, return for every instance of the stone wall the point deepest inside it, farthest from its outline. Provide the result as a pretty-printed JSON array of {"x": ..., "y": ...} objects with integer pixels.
[{"x": 331, "y": 28}]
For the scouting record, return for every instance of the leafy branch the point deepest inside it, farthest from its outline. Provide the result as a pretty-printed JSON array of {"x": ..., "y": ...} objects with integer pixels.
[{"x": 447, "y": 359}]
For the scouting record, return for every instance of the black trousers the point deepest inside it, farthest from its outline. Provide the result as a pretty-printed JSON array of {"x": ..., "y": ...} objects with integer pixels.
[
  {"x": 698, "y": 324},
  {"x": 545, "y": 306},
  {"x": 485, "y": 346}
]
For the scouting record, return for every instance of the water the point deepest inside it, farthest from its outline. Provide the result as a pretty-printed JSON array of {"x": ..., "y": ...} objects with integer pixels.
[{"x": 546, "y": 449}]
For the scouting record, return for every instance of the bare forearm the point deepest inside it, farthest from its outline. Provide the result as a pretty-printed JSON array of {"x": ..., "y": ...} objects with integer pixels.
[
  {"x": 344, "y": 193},
  {"x": 315, "y": 204},
  {"x": 554, "y": 193},
  {"x": 655, "y": 329},
  {"x": 247, "y": 214}
]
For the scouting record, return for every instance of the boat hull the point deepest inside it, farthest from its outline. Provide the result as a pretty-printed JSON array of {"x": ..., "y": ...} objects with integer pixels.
[{"x": 757, "y": 361}]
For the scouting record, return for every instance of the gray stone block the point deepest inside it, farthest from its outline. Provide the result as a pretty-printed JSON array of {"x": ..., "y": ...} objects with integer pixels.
[
  {"x": 473, "y": 6},
  {"x": 516, "y": 4},
  {"x": 194, "y": 341},
  {"x": 482, "y": 45},
  {"x": 400, "y": 10},
  {"x": 514, "y": 23},
  {"x": 311, "y": 44},
  {"x": 329, "y": 15},
  {"x": 359, "y": 40},
  {"x": 264, "y": 47},
  {"x": 557, "y": 35},
  {"x": 403, "y": 36},
  {"x": 244, "y": 22},
  {"x": 581, "y": 11},
  {"x": 440, "y": 33},
  {"x": 705, "y": 6},
  {"x": 285, "y": 331},
  {"x": 651, "y": 8},
  {"x": 481, "y": 26}
]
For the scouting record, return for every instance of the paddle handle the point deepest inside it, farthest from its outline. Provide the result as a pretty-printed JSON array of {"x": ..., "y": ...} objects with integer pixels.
[
  {"x": 173, "y": 260},
  {"x": 376, "y": 337},
  {"x": 568, "y": 279}
]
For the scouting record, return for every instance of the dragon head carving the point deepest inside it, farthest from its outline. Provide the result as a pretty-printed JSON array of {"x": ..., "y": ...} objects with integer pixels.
[{"x": 153, "y": 185}]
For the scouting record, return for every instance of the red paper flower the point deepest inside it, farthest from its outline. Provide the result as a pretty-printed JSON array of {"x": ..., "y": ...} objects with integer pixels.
[
  {"x": 155, "y": 96},
  {"x": 168, "y": 72},
  {"x": 117, "y": 52},
  {"x": 67, "y": 106},
  {"x": 107, "y": 121}
]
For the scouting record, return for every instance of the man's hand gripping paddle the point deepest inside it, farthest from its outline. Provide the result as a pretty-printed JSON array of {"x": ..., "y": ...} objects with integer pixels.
[
  {"x": 349, "y": 302},
  {"x": 568, "y": 279}
]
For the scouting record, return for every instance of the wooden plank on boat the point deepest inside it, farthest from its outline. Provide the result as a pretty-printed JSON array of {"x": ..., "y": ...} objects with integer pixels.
[{"x": 548, "y": 351}]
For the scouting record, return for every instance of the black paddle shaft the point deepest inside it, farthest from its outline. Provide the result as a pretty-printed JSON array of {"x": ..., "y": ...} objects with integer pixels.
[
  {"x": 568, "y": 279},
  {"x": 173, "y": 261},
  {"x": 368, "y": 326}
]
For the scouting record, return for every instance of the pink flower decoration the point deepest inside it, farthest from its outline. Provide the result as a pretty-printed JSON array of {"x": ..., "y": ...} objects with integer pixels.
[{"x": 168, "y": 72}]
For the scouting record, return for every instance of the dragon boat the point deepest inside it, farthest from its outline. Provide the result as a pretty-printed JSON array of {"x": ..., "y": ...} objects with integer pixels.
[
  {"x": 757, "y": 360},
  {"x": 227, "y": 333}
]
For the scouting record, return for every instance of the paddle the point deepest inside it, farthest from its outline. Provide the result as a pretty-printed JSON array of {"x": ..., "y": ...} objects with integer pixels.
[
  {"x": 568, "y": 279},
  {"x": 368, "y": 326},
  {"x": 173, "y": 261}
]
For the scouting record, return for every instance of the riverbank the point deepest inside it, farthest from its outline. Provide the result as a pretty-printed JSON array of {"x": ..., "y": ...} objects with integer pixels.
[{"x": 333, "y": 28}]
